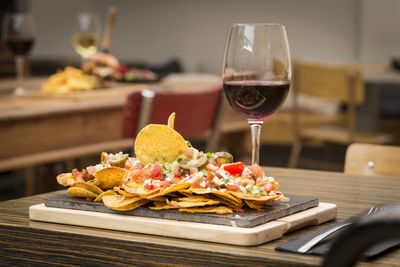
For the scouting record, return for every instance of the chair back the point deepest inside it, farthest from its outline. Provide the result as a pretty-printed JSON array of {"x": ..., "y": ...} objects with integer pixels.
[
  {"x": 328, "y": 81},
  {"x": 374, "y": 160},
  {"x": 197, "y": 111}
]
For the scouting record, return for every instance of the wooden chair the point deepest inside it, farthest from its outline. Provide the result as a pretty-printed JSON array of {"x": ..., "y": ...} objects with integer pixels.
[
  {"x": 374, "y": 160},
  {"x": 197, "y": 112},
  {"x": 342, "y": 84}
]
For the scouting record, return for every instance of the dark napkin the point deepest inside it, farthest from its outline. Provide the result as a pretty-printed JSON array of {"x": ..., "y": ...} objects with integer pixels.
[{"x": 320, "y": 249}]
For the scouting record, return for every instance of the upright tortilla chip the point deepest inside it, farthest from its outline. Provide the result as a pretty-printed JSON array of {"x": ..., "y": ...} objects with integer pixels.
[
  {"x": 158, "y": 143},
  {"x": 171, "y": 120}
]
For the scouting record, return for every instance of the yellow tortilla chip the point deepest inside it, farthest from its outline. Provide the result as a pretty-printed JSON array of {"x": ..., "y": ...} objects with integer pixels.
[
  {"x": 171, "y": 120},
  {"x": 122, "y": 191},
  {"x": 254, "y": 205},
  {"x": 221, "y": 210},
  {"x": 80, "y": 192},
  {"x": 99, "y": 198},
  {"x": 158, "y": 143},
  {"x": 137, "y": 189},
  {"x": 170, "y": 189},
  {"x": 260, "y": 199},
  {"x": 118, "y": 202},
  {"x": 162, "y": 205},
  {"x": 108, "y": 178},
  {"x": 190, "y": 204},
  {"x": 91, "y": 187}
]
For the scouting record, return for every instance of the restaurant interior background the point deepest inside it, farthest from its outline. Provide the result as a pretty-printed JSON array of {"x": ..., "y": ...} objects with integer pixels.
[{"x": 193, "y": 33}]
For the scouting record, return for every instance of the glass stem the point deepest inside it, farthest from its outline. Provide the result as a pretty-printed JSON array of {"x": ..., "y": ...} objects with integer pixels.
[
  {"x": 19, "y": 67},
  {"x": 255, "y": 139}
]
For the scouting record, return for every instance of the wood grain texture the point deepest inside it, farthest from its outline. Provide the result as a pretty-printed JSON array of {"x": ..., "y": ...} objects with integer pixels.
[
  {"x": 25, "y": 242},
  {"x": 189, "y": 230},
  {"x": 374, "y": 160}
]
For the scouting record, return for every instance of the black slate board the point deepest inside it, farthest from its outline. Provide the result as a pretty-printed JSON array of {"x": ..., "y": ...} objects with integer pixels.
[{"x": 248, "y": 218}]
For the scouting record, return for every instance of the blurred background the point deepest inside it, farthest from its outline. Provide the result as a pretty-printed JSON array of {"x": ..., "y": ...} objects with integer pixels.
[{"x": 192, "y": 34}]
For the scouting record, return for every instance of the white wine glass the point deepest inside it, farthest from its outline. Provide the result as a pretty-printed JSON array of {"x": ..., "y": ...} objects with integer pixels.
[
  {"x": 18, "y": 34},
  {"x": 86, "y": 35},
  {"x": 256, "y": 73}
]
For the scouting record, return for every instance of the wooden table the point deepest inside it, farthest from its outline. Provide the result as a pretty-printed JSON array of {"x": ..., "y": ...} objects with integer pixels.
[{"x": 25, "y": 242}]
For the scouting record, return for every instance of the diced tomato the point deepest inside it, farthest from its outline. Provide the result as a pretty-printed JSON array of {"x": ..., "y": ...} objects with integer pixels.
[
  {"x": 177, "y": 174},
  {"x": 269, "y": 187},
  {"x": 257, "y": 171},
  {"x": 156, "y": 172},
  {"x": 232, "y": 187},
  {"x": 210, "y": 176},
  {"x": 234, "y": 168},
  {"x": 193, "y": 170},
  {"x": 196, "y": 183},
  {"x": 103, "y": 156},
  {"x": 139, "y": 175},
  {"x": 148, "y": 186},
  {"x": 278, "y": 193}
]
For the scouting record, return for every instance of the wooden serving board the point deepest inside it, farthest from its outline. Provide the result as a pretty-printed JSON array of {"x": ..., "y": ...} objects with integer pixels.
[{"x": 183, "y": 229}]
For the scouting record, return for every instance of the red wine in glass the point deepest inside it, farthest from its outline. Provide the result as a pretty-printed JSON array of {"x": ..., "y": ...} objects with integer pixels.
[
  {"x": 256, "y": 99},
  {"x": 256, "y": 73},
  {"x": 19, "y": 46}
]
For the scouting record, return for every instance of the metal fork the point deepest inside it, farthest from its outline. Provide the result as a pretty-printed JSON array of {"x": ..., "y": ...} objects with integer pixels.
[{"x": 313, "y": 242}]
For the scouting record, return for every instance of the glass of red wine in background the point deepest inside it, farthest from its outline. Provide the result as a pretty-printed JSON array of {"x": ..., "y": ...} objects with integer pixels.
[
  {"x": 18, "y": 34},
  {"x": 256, "y": 73}
]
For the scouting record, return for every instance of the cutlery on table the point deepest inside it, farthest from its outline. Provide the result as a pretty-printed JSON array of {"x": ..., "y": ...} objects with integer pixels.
[{"x": 316, "y": 240}]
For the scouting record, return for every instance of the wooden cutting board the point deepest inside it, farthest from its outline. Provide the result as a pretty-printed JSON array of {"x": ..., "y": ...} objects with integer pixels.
[{"x": 234, "y": 235}]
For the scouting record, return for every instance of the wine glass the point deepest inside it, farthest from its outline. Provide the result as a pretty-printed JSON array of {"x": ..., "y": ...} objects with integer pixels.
[
  {"x": 256, "y": 73},
  {"x": 86, "y": 35},
  {"x": 18, "y": 34}
]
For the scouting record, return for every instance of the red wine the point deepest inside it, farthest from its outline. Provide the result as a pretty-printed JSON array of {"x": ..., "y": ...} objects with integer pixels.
[
  {"x": 20, "y": 46},
  {"x": 256, "y": 99}
]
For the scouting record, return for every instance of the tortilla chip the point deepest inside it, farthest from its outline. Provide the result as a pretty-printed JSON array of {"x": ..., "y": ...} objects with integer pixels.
[
  {"x": 221, "y": 210},
  {"x": 228, "y": 197},
  {"x": 254, "y": 205},
  {"x": 171, "y": 120},
  {"x": 170, "y": 189},
  {"x": 108, "y": 178},
  {"x": 138, "y": 189},
  {"x": 162, "y": 205},
  {"x": 158, "y": 143},
  {"x": 122, "y": 191},
  {"x": 191, "y": 204},
  {"x": 159, "y": 199},
  {"x": 91, "y": 187},
  {"x": 122, "y": 203},
  {"x": 99, "y": 198},
  {"x": 193, "y": 199},
  {"x": 65, "y": 179},
  {"x": 80, "y": 192}
]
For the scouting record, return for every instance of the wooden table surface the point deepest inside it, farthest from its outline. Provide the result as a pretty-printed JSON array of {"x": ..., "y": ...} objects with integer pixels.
[{"x": 25, "y": 242}]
